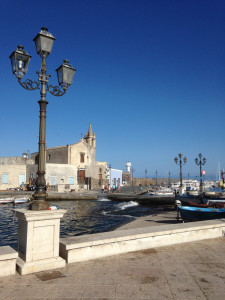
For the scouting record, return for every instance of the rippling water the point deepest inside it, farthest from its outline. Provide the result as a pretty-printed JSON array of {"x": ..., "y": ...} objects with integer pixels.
[{"x": 82, "y": 217}]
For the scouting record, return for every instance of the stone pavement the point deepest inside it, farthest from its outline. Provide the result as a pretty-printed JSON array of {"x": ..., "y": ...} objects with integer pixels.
[
  {"x": 186, "y": 271},
  {"x": 160, "y": 217}
]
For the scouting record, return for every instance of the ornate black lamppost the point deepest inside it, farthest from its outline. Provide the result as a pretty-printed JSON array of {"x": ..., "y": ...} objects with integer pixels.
[
  {"x": 20, "y": 60},
  {"x": 180, "y": 161},
  {"x": 200, "y": 162}
]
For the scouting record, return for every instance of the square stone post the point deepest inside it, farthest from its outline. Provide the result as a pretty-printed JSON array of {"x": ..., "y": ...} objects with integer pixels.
[{"x": 38, "y": 240}]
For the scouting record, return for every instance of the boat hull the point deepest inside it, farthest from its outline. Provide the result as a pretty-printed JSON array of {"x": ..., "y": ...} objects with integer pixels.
[
  {"x": 21, "y": 200},
  {"x": 185, "y": 200},
  {"x": 198, "y": 213},
  {"x": 6, "y": 200}
]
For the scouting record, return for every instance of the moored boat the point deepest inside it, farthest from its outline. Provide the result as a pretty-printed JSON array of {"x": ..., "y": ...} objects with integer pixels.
[
  {"x": 185, "y": 199},
  {"x": 21, "y": 200},
  {"x": 6, "y": 200},
  {"x": 200, "y": 213},
  {"x": 192, "y": 192},
  {"x": 214, "y": 201},
  {"x": 161, "y": 192}
]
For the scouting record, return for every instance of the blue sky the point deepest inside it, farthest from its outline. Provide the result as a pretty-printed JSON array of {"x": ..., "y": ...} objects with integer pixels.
[{"x": 150, "y": 79}]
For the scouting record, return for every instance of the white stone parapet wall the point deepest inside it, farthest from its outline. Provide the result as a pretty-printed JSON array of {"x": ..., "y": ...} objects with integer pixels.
[{"x": 87, "y": 247}]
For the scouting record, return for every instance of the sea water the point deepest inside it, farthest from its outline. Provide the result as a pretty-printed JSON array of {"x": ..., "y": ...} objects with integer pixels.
[{"x": 82, "y": 217}]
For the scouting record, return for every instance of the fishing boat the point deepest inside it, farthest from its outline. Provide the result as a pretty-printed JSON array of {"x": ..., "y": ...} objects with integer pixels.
[
  {"x": 201, "y": 213},
  {"x": 54, "y": 207},
  {"x": 161, "y": 192},
  {"x": 186, "y": 199},
  {"x": 6, "y": 200},
  {"x": 214, "y": 202},
  {"x": 21, "y": 200}
]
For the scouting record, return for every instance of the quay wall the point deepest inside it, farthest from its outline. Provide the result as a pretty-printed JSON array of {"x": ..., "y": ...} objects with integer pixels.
[{"x": 94, "y": 246}]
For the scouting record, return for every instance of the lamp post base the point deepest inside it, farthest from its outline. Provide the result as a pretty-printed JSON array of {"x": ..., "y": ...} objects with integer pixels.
[
  {"x": 181, "y": 190},
  {"x": 38, "y": 240},
  {"x": 201, "y": 189},
  {"x": 39, "y": 205}
]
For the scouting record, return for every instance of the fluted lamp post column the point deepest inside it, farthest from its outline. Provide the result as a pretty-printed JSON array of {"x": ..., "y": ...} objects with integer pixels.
[
  {"x": 181, "y": 161},
  {"x": 200, "y": 162},
  {"x": 20, "y": 60}
]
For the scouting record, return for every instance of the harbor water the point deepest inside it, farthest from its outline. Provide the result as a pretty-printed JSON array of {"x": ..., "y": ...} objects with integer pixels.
[{"x": 82, "y": 217}]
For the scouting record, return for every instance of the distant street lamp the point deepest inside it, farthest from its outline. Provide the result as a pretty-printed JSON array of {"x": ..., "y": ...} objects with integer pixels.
[
  {"x": 20, "y": 60},
  {"x": 132, "y": 171},
  {"x": 169, "y": 179},
  {"x": 180, "y": 161},
  {"x": 222, "y": 175},
  {"x": 110, "y": 169},
  {"x": 200, "y": 162},
  {"x": 146, "y": 171}
]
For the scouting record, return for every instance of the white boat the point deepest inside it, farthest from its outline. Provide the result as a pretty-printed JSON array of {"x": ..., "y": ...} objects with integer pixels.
[
  {"x": 192, "y": 192},
  {"x": 21, "y": 200},
  {"x": 188, "y": 184},
  {"x": 213, "y": 201},
  {"x": 6, "y": 200},
  {"x": 53, "y": 207},
  {"x": 162, "y": 192}
]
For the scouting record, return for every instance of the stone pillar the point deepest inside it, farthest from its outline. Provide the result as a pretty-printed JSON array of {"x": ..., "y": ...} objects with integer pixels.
[{"x": 38, "y": 240}]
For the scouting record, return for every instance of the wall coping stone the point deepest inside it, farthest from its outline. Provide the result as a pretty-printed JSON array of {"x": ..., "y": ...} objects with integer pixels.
[
  {"x": 137, "y": 233},
  {"x": 33, "y": 215},
  {"x": 6, "y": 253}
]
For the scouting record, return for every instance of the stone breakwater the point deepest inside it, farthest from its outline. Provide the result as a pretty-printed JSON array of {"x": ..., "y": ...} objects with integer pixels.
[
  {"x": 95, "y": 195},
  {"x": 53, "y": 196}
]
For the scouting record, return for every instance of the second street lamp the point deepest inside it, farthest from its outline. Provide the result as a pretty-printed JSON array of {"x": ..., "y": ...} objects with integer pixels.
[
  {"x": 20, "y": 60},
  {"x": 169, "y": 179},
  {"x": 200, "y": 162},
  {"x": 180, "y": 161}
]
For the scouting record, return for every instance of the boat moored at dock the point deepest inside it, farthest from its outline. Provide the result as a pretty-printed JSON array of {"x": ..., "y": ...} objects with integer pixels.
[
  {"x": 21, "y": 200},
  {"x": 6, "y": 200},
  {"x": 200, "y": 213}
]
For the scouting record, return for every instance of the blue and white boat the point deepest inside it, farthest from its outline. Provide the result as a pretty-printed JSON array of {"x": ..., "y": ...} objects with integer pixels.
[
  {"x": 200, "y": 213},
  {"x": 21, "y": 200}
]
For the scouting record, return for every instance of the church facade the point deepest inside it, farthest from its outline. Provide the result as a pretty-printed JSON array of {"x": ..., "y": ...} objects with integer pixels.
[{"x": 67, "y": 167}]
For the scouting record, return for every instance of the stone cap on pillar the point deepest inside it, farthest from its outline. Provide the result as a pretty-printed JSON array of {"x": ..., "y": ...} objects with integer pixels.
[{"x": 38, "y": 215}]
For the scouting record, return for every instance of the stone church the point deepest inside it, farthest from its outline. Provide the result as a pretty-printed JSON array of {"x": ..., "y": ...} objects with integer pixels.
[{"x": 69, "y": 167}]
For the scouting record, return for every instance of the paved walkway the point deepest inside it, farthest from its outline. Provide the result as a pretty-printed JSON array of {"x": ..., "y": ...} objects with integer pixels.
[
  {"x": 160, "y": 217},
  {"x": 186, "y": 271}
]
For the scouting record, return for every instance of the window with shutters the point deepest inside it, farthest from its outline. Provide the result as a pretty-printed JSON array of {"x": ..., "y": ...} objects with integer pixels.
[
  {"x": 5, "y": 178},
  {"x": 71, "y": 180},
  {"x": 82, "y": 157}
]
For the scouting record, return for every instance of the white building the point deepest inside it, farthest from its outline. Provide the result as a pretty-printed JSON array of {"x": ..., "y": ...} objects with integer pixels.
[{"x": 68, "y": 167}]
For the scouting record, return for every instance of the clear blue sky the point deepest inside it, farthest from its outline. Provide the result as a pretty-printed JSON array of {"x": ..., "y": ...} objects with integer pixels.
[{"x": 150, "y": 79}]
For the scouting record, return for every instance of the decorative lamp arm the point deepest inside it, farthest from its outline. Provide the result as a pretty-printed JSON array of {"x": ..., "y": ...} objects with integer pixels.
[
  {"x": 28, "y": 84},
  {"x": 55, "y": 90}
]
